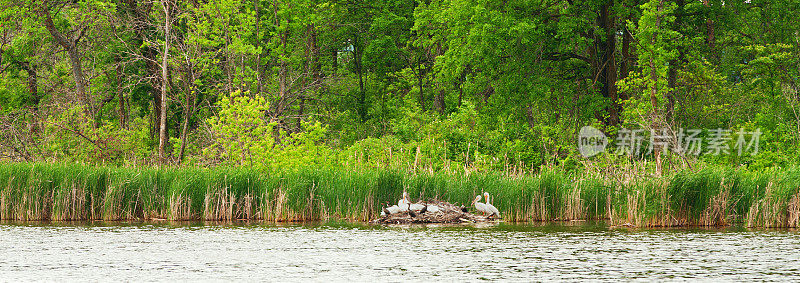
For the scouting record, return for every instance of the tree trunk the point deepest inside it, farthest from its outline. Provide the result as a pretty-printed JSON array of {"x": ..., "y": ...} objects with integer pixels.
[
  {"x": 420, "y": 81},
  {"x": 710, "y": 37},
  {"x": 335, "y": 53},
  {"x": 672, "y": 73},
  {"x": 142, "y": 13},
  {"x": 121, "y": 113},
  {"x": 283, "y": 76},
  {"x": 460, "y": 94},
  {"x": 439, "y": 102},
  {"x": 362, "y": 94},
  {"x": 32, "y": 84},
  {"x": 310, "y": 70},
  {"x": 654, "y": 92},
  {"x": 605, "y": 64},
  {"x": 70, "y": 45},
  {"x": 316, "y": 63},
  {"x": 77, "y": 74},
  {"x": 625, "y": 65},
  {"x": 283, "y": 70},
  {"x": 227, "y": 66},
  {"x": 162, "y": 140},
  {"x": 187, "y": 113},
  {"x": 259, "y": 71},
  {"x": 460, "y": 85}
]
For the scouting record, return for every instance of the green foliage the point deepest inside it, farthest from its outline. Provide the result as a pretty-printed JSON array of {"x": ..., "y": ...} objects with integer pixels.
[
  {"x": 241, "y": 133},
  {"x": 656, "y": 43},
  {"x": 72, "y": 136},
  {"x": 428, "y": 86}
]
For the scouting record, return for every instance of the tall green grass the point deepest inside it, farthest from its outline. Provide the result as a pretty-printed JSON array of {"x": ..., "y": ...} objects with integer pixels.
[{"x": 706, "y": 197}]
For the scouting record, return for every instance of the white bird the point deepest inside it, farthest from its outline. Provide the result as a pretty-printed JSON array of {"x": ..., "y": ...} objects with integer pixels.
[
  {"x": 392, "y": 210},
  {"x": 433, "y": 208},
  {"x": 479, "y": 205},
  {"x": 492, "y": 210},
  {"x": 403, "y": 202},
  {"x": 417, "y": 206}
]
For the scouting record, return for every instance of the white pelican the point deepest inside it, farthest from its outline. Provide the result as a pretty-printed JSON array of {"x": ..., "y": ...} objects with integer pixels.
[
  {"x": 405, "y": 204},
  {"x": 479, "y": 205},
  {"x": 492, "y": 210},
  {"x": 403, "y": 201},
  {"x": 416, "y": 206},
  {"x": 391, "y": 210}
]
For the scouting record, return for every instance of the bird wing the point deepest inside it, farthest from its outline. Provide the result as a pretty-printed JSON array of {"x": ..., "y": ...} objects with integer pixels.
[
  {"x": 394, "y": 209},
  {"x": 416, "y": 206},
  {"x": 481, "y": 207},
  {"x": 493, "y": 209}
]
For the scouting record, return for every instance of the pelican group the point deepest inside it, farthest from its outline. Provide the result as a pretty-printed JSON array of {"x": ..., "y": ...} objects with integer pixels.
[
  {"x": 405, "y": 205},
  {"x": 416, "y": 209}
]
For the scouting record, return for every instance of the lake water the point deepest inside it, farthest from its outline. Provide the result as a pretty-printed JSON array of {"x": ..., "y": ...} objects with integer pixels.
[{"x": 358, "y": 252}]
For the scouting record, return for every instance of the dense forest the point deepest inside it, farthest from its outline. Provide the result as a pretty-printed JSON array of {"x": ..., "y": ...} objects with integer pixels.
[{"x": 432, "y": 85}]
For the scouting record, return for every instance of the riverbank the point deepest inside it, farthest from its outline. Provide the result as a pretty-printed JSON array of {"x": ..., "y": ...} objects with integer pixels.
[{"x": 705, "y": 197}]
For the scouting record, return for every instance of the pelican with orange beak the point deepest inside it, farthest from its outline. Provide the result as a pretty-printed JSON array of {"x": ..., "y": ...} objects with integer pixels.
[{"x": 489, "y": 207}]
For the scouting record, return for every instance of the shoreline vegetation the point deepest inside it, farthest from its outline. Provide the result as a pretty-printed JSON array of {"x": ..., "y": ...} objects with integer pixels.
[
  {"x": 711, "y": 196},
  {"x": 642, "y": 113}
]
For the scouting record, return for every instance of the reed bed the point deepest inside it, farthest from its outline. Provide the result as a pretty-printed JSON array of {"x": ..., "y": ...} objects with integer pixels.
[{"x": 706, "y": 197}]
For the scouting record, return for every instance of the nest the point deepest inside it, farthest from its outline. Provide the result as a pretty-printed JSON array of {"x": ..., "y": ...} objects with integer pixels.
[{"x": 448, "y": 213}]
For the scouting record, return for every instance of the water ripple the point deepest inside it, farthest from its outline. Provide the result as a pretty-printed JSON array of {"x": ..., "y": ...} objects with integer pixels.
[{"x": 338, "y": 252}]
